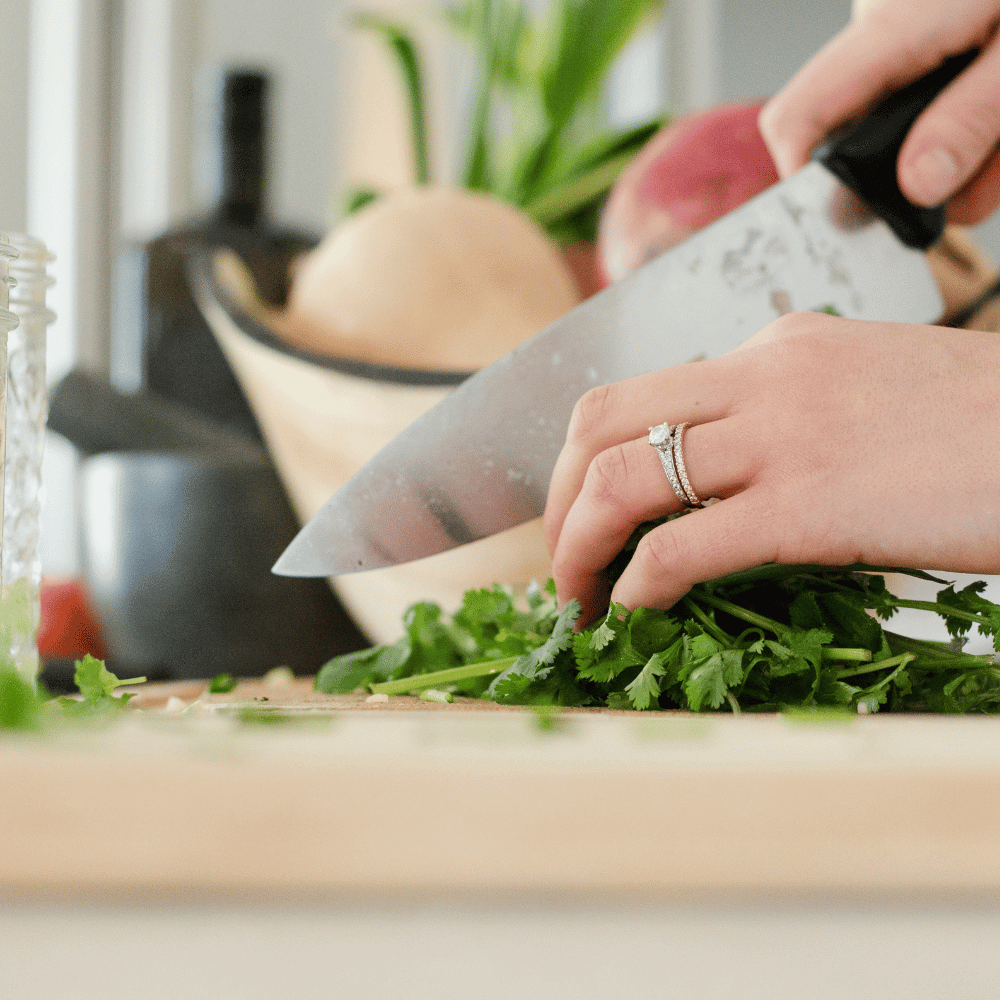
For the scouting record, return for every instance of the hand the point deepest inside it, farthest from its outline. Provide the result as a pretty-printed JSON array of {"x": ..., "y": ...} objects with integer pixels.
[
  {"x": 951, "y": 151},
  {"x": 828, "y": 441}
]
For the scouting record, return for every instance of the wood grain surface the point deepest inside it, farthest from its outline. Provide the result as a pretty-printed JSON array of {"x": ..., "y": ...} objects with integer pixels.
[{"x": 361, "y": 799}]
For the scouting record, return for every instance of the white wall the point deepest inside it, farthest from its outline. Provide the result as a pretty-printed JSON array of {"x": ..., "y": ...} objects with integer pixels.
[{"x": 13, "y": 120}]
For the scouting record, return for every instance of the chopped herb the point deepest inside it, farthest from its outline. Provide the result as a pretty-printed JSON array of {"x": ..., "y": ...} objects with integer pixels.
[
  {"x": 222, "y": 684},
  {"x": 24, "y": 707},
  {"x": 432, "y": 694},
  {"x": 96, "y": 682}
]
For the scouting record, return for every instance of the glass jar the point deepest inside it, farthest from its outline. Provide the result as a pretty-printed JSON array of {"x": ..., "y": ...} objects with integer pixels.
[{"x": 26, "y": 412}]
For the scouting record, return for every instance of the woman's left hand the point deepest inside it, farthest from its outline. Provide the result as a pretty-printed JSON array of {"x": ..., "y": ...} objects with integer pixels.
[{"x": 826, "y": 441}]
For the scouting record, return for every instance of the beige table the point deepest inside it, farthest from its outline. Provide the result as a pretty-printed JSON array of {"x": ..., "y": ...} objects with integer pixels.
[{"x": 457, "y": 851}]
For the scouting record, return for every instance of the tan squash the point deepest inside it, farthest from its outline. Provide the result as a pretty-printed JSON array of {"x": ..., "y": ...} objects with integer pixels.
[{"x": 430, "y": 278}]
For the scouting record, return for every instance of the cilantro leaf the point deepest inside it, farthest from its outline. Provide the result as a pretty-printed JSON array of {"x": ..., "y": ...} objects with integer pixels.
[
  {"x": 710, "y": 672},
  {"x": 96, "y": 683},
  {"x": 769, "y": 638},
  {"x": 969, "y": 600},
  {"x": 344, "y": 673},
  {"x": 510, "y": 686},
  {"x": 604, "y": 653},
  {"x": 645, "y": 688},
  {"x": 222, "y": 684}
]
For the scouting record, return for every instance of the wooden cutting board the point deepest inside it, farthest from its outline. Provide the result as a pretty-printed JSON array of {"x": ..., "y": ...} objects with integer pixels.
[{"x": 404, "y": 798}]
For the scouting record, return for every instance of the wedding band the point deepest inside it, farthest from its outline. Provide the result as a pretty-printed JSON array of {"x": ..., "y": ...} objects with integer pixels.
[
  {"x": 661, "y": 437},
  {"x": 667, "y": 442},
  {"x": 678, "y": 455}
]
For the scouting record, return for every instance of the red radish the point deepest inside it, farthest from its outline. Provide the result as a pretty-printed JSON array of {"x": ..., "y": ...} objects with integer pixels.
[{"x": 689, "y": 174}]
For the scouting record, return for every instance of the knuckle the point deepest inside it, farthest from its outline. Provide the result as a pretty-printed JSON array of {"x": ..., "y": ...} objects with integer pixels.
[
  {"x": 801, "y": 324},
  {"x": 590, "y": 414},
  {"x": 772, "y": 121},
  {"x": 660, "y": 553},
  {"x": 789, "y": 325},
  {"x": 805, "y": 344},
  {"x": 606, "y": 476}
]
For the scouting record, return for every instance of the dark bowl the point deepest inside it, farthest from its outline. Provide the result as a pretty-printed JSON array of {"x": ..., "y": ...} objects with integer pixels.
[{"x": 177, "y": 549}]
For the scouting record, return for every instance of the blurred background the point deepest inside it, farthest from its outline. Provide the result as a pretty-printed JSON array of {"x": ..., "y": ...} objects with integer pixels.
[{"x": 110, "y": 111}]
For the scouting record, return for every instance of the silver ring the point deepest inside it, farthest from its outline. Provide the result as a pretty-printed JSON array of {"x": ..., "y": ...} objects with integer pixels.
[{"x": 667, "y": 442}]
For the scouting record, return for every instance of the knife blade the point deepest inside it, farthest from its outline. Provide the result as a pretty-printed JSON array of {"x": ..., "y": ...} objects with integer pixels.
[{"x": 480, "y": 461}]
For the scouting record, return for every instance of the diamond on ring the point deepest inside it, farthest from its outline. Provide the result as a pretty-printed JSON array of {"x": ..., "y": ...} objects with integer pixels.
[{"x": 660, "y": 435}]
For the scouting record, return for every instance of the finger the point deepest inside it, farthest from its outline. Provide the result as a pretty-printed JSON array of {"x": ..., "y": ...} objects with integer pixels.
[
  {"x": 949, "y": 143},
  {"x": 980, "y": 198},
  {"x": 724, "y": 538},
  {"x": 624, "y": 411},
  {"x": 839, "y": 83},
  {"x": 626, "y": 486},
  {"x": 873, "y": 56}
]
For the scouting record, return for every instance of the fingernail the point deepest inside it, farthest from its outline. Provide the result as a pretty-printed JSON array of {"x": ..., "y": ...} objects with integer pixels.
[{"x": 932, "y": 177}]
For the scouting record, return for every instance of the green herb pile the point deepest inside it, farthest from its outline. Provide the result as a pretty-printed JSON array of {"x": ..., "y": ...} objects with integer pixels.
[{"x": 768, "y": 639}]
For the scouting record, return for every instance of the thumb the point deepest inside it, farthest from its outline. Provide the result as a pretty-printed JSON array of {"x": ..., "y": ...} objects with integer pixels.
[{"x": 955, "y": 136}]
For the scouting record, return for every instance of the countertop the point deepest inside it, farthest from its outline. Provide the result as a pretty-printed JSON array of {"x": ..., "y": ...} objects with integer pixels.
[{"x": 407, "y": 849}]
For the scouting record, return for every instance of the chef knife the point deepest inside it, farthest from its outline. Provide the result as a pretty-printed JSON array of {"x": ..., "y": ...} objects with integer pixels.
[{"x": 838, "y": 235}]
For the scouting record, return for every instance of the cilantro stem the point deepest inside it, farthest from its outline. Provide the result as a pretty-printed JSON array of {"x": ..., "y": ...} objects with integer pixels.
[
  {"x": 740, "y": 612},
  {"x": 829, "y": 652},
  {"x": 895, "y": 661},
  {"x": 419, "y": 682},
  {"x": 904, "y": 659},
  {"x": 707, "y": 624},
  {"x": 779, "y": 571},
  {"x": 131, "y": 680},
  {"x": 852, "y": 653},
  {"x": 944, "y": 610}
]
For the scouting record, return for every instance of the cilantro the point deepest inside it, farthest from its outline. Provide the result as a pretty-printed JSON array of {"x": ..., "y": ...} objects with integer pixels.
[
  {"x": 222, "y": 684},
  {"x": 23, "y": 706},
  {"x": 809, "y": 638},
  {"x": 645, "y": 688},
  {"x": 432, "y": 694},
  {"x": 97, "y": 684}
]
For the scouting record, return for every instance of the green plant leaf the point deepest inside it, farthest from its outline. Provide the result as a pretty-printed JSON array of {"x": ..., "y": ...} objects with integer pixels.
[
  {"x": 358, "y": 198},
  {"x": 585, "y": 37}
]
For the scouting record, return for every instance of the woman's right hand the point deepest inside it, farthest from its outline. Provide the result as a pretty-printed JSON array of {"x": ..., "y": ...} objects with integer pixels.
[{"x": 951, "y": 152}]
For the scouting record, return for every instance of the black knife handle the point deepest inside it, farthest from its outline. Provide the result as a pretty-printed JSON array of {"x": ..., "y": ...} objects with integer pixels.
[{"x": 864, "y": 155}]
